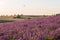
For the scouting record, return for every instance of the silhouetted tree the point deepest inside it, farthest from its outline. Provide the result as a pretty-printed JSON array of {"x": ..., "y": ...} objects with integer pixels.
[{"x": 18, "y": 16}]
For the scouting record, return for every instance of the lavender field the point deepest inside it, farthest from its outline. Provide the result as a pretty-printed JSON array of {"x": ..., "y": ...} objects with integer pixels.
[{"x": 45, "y": 28}]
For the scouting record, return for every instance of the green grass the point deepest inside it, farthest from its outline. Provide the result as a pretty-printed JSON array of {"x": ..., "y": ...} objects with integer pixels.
[{"x": 3, "y": 21}]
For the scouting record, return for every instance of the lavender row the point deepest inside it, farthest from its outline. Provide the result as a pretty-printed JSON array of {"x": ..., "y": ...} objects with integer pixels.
[{"x": 46, "y": 28}]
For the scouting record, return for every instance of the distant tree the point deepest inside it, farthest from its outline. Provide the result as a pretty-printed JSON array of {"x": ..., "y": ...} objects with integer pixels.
[
  {"x": 18, "y": 16},
  {"x": 6, "y": 15},
  {"x": 14, "y": 16},
  {"x": 21, "y": 14},
  {"x": 58, "y": 14},
  {"x": 28, "y": 18}
]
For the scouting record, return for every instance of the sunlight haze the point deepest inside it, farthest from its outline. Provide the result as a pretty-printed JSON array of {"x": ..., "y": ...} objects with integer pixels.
[{"x": 29, "y": 7}]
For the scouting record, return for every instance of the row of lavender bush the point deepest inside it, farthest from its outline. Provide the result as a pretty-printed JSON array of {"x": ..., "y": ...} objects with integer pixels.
[{"x": 46, "y": 28}]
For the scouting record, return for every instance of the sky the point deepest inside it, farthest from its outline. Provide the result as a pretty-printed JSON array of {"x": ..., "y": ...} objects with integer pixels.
[{"x": 29, "y": 7}]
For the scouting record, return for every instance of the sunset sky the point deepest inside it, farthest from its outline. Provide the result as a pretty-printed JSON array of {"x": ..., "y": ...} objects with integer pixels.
[{"x": 29, "y": 7}]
